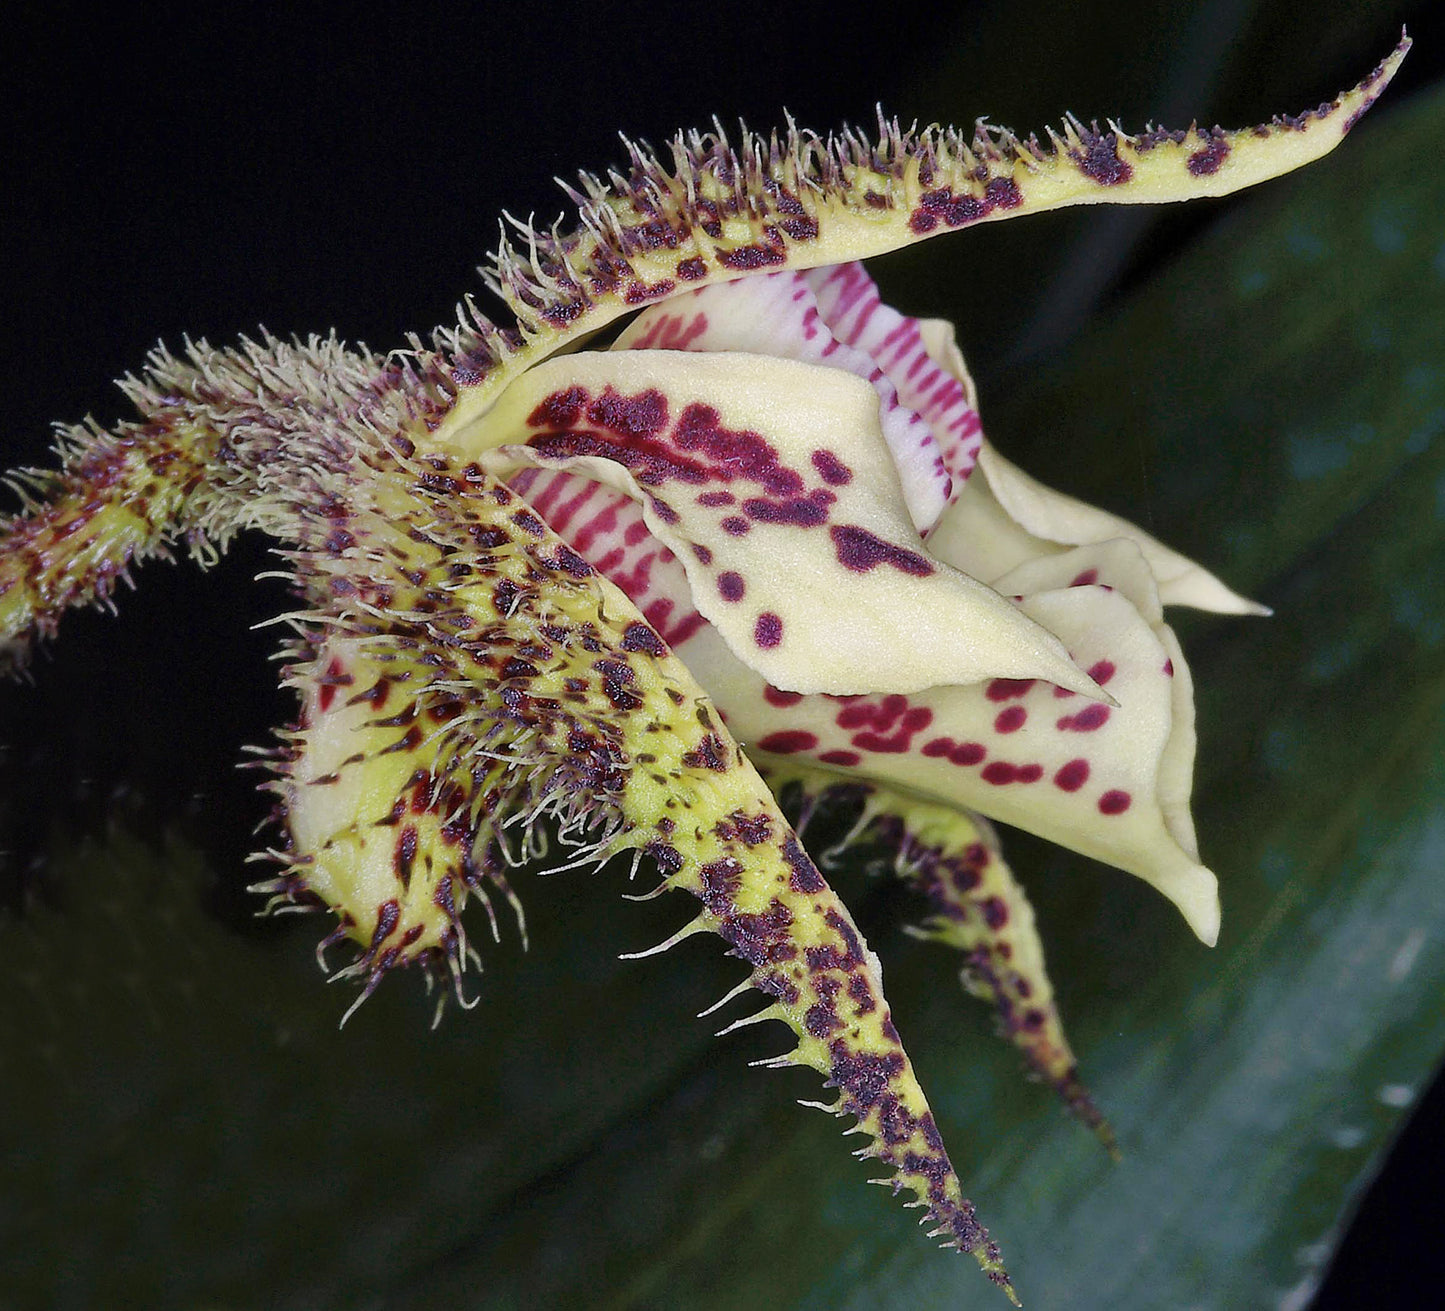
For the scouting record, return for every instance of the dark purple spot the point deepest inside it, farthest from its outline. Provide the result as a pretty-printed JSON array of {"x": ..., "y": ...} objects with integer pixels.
[
  {"x": 690, "y": 270},
  {"x": 805, "y": 876},
  {"x": 404, "y": 855},
  {"x": 1085, "y": 578},
  {"x": 735, "y": 526},
  {"x": 639, "y": 637},
  {"x": 730, "y": 586},
  {"x": 708, "y": 754},
  {"x": 711, "y": 499},
  {"x": 745, "y": 258},
  {"x": 1204, "y": 162},
  {"x": 995, "y": 913},
  {"x": 1102, "y": 671},
  {"x": 859, "y": 550},
  {"x": 768, "y": 630},
  {"x": 831, "y": 469},
  {"x": 1114, "y": 802},
  {"x": 1100, "y": 160},
  {"x": 703, "y": 554},
  {"x": 1003, "y": 193},
  {"x": 821, "y": 1019}
]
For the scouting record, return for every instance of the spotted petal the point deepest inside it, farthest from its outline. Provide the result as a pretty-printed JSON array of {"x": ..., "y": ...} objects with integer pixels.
[
  {"x": 1110, "y": 782},
  {"x": 771, "y": 482}
]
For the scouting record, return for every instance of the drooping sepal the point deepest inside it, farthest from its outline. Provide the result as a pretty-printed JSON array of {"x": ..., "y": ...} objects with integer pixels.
[{"x": 954, "y": 861}]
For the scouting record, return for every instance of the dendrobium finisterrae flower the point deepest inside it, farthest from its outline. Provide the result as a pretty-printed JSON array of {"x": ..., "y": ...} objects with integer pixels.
[{"x": 548, "y": 586}]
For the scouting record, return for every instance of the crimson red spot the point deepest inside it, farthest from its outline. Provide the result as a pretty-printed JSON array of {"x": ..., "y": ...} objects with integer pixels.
[
  {"x": 859, "y": 550},
  {"x": 840, "y": 758},
  {"x": 1115, "y": 802},
  {"x": 735, "y": 526},
  {"x": 831, "y": 469},
  {"x": 1086, "y": 578},
  {"x": 1030, "y": 773},
  {"x": 937, "y": 747},
  {"x": 1072, "y": 776},
  {"x": 768, "y": 630},
  {"x": 1006, "y": 689},
  {"x": 1102, "y": 672},
  {"x": 561, "y": 409},
  {"x": 1010, "y": 720},
  {"x": 777, "y": 697},
  {"x": 1000, "y": 772},
  {"x": 967, "y": 753},
  {"x": 789, "y": 741},
  {"x": 1092, "y": 716},
  {"x": 1169, "y": 668},
  {"x": 892, "y": 745},
  {"x": 730, "y": 586}
]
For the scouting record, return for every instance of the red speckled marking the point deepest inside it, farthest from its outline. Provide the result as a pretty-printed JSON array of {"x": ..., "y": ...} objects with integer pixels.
[
  {"x": 1006, "y": 689},
  {"x": 672, "y": 332},
  {"x": 999, "y": 772},
  {"x": 1114, "y": 802},
  {"x": 1072, "y": 776},
  {"x": 789, "y": 741},
  {"x": 1010, "y": 720},
  {"x": 1092, "y": 716},
  {"x": 768, "y": 630},
  {"x": 831, "y": 469},
  {"x": 777, "y": 697}
]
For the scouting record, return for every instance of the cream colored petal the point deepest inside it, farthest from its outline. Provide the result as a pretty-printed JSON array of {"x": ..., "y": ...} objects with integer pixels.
[
  {"x": 778, "y": 316},
  {"x": 771, "y": 482},
  {"x": 1064, "y": 520}
]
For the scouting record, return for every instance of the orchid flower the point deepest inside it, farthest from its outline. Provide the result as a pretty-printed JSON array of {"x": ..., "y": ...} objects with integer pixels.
[{"x": 556, "y": 587}]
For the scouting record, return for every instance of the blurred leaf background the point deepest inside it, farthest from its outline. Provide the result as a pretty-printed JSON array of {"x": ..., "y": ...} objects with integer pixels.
[{"x": 1260, "y": 380}]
